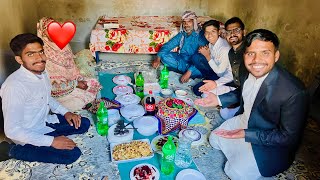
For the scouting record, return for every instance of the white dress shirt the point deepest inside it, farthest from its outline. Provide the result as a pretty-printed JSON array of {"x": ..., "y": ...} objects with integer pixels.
[
  {"x": 241, "y": 163},
  {"x": 219, "y": 61},
  {"x": 26, "y": 101}
]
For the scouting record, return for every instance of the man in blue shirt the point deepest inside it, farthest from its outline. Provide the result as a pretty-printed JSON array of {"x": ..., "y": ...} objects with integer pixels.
[{"x": 188, "y": 41}]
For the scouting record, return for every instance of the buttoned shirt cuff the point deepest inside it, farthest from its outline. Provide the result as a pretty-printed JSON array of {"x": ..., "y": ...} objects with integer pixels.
[
  {"x": 47, "y": 141},
  {"x": 219, "y": 102},
  {"x": 250, "y": 136},
  {"x": 192, "y": 69},
  {"x": 62, "y": 110},
  {"x": 210, "y": 61},
  {"x": 218, "y": 83}
]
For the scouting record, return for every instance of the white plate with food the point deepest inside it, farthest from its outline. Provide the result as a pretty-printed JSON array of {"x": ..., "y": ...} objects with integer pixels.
[
  {"x": 190, "y": 174},
  {"x": 131, "y": 151},
  {"x": 128, "y": 99},
  {"x": 158, "y": 141},
  {"x": 121, "y": 80},
  {"x": 122, "y": 90},
  {"x": 144, "y": 171}
]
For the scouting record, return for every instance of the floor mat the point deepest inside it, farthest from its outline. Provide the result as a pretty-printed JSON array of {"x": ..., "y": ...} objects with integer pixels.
[{"x": 95, "y": 161}]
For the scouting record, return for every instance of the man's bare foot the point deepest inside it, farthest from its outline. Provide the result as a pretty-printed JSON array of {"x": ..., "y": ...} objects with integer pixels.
[
  {"x": 156, "y": 63},
  {"x": 185, "y": 77}
]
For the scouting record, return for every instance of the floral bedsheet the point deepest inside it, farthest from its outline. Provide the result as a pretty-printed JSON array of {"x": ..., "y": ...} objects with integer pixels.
[{"x": 136, "y": 34}]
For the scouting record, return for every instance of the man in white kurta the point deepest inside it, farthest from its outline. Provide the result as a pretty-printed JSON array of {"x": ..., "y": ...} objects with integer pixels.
[
  {"x": 213, "y": 62},
  {"x": 241, "y": 162},
  {"x": 264, "y": 136}
]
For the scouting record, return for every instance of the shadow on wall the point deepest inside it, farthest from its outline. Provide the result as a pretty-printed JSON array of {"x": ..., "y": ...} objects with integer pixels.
[
  {"x": 9, "y": 64},
  {"x": 1, "y": 117}
]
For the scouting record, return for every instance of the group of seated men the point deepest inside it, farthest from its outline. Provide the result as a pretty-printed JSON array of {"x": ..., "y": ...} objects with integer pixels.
[
  {"x": 259, "y": 137},
  {"x": 263, "y": 129}
]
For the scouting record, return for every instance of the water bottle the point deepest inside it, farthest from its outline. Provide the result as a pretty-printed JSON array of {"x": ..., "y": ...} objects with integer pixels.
[
  {"x": 183, "y": 157},
  {"x": 102, "y": 120},
  {"x": 168, "y": 154},
  {"x": 164, "y": 77},
  {"x": 150, "y": 104},
  {"x": 140, "y": 85}
]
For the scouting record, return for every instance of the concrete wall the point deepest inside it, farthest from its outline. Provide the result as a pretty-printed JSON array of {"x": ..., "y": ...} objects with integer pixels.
[
  {"x": 16, "y": 16},
  {"x": 296, "y": 23}
]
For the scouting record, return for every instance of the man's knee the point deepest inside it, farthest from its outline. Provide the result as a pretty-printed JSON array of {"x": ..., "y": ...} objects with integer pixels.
[
  {"x": 227, "y": 113},
  {"x": 168, "y": 59},
  {"x": 213, "y": 140},
  {"x": 85, "y": 124},
  {"x": 71, "y": 156},
  {"x": 195, "y": 89}
]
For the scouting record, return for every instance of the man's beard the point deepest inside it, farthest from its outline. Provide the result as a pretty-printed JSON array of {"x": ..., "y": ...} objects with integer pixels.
[
  {"x": 236, "y": 40},
  {"x": 188, "y": 30}
]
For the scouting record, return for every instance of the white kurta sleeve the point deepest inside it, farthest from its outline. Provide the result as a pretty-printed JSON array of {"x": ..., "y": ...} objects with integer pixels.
[
  {"x": 221, "y": 66},
  {"x": 13, "y": 102},
  {"x": 56, "y": 107}
]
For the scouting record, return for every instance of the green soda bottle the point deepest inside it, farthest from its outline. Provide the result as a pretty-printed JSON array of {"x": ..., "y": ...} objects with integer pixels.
[
  {"x": 168, "y": 154},
  {"x": 102, "y": 117},
  {"x": 140, "y": 85},
  {"x": 164, "y": 77}
]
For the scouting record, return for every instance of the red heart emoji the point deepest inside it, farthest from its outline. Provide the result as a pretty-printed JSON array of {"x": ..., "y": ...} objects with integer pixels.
[{"x": 61, "y": 35}]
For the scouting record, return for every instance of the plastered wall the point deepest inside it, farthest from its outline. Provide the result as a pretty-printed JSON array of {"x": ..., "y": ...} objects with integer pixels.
[
  {"x": 296, "y": 22},
  {"x": 16, "y": 16}
]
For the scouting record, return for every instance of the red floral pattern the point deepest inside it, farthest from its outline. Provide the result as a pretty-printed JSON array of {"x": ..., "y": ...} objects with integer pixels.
[
  {"x": 158, "y": 38},
  {"x": 116, "y": 38},
  {"x": 136, "y": 34}
]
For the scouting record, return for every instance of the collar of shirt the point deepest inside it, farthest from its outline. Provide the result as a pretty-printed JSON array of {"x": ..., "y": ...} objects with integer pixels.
[
  {"x": 218, "y": 43},
  {"x": 194, "y": 33},
  {"x": 240, "y": 48},
  {"x": 31, "y": 75},
  {"x": 250, "y": 90},
  {"x": 255, "y": 80}
]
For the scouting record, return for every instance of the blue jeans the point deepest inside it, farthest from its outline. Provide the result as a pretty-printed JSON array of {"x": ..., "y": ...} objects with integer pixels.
[
  {"x": 180, "y": 64},
  {"x": 48, "y": 154},
  {"x": 201, "y": 63}
]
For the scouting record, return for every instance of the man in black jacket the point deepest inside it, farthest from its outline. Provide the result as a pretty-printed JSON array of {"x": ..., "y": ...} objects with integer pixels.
[{"x": 264, "y": 136}]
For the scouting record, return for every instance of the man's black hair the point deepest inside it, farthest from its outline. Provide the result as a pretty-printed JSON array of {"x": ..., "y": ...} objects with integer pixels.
[{"x": 18, "y": 43}]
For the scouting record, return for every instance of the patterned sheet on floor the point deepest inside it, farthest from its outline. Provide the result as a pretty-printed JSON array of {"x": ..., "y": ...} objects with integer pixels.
[{"x": 95, "y": 162}]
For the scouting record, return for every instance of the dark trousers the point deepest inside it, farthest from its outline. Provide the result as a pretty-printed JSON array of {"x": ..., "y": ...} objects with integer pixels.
[
  {"x": 201, "y": 63},
  {"x": 46, "y": 154}
]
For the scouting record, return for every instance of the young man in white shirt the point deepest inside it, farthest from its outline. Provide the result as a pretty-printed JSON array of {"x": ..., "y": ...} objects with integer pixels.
[
  {"x": 213, "y": 62},
  {"x": 26, "y": 102}
]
